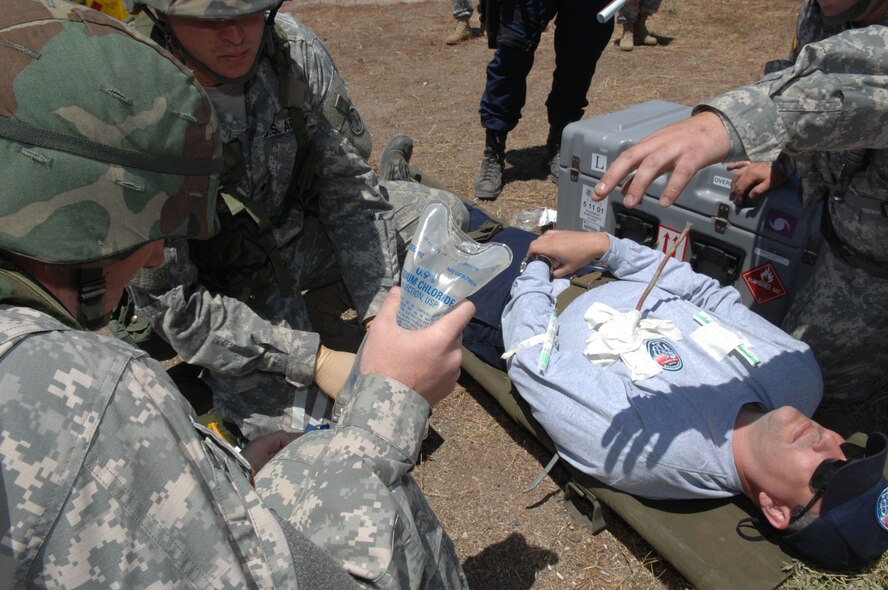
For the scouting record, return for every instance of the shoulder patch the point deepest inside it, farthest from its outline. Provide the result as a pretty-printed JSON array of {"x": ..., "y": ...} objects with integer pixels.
[
  {"x": 355, "y": 123},
  {"x": 664, "y": 354},
  {"x": 882, "y": 509}
]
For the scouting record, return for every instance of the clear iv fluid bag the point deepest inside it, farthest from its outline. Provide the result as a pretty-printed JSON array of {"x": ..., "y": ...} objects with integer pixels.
[{"x": 444, "y": 266}]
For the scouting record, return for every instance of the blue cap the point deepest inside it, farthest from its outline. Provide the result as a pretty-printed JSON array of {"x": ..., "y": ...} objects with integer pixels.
[{"x": 852, "y": 530}]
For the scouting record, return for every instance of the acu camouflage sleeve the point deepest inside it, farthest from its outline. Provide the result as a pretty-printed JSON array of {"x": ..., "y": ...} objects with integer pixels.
[
  {"x": 348, "y": 489},
  {"x": 360, "y": 222},
  {"x": 217, "y": 332},
  {"x": 834, "y": 98},
  {"x": 107, "y": 482},
  {"x": 354, "y": 212}
]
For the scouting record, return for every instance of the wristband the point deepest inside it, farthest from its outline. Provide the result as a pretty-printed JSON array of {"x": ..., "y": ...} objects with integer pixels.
[{"x": 535, "y": 258}]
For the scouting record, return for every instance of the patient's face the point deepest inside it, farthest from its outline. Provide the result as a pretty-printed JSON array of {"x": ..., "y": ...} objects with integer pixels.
[{"x": 789, "y": 447}]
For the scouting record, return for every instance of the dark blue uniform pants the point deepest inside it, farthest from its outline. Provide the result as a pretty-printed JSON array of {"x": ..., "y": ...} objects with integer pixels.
[{"x": 579, "y": 41}]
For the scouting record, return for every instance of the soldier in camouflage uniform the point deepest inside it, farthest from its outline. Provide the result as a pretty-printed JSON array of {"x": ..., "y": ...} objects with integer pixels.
[
  {"x": 462, "y": 12},
  {"x": 242, "y": 317},
  {"x": 106, "y": 479},
  {"x": 633, "y": 16},
  {"x": 830, "y": 99}
]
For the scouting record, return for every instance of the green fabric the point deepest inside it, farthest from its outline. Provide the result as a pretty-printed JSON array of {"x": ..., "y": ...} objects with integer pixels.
[{"x": 18, "y": 289}]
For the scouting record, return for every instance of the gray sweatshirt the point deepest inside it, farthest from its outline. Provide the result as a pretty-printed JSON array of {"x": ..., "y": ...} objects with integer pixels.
[{"x": 669, "y": 436}]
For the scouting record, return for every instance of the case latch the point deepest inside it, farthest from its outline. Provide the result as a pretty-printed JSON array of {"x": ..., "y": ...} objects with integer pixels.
[
  {"x": 721, "y": 220},
  {"x": 636, "y": 228}
]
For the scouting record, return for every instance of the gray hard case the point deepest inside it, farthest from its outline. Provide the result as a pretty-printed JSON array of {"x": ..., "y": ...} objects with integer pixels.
[{"x": 766, "y": 251}]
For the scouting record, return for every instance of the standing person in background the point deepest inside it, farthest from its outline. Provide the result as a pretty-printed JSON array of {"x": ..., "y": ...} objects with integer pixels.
[
  {"x": 633, "y": 16},
  {"x": 462, "y": 12},
  {"x": 829, "y": 112},
  {"x": 579, "y": 41}
]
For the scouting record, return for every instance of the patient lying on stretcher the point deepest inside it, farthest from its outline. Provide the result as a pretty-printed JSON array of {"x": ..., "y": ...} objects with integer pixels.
[{"x": 696, "y": 396}]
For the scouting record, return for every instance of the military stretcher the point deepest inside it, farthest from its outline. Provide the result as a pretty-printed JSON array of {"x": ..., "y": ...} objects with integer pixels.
[{"x": 700, "y": 538}]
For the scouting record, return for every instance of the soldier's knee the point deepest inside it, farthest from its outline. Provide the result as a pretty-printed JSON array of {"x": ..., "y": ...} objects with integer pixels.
[{"x": 526, "y": 42}]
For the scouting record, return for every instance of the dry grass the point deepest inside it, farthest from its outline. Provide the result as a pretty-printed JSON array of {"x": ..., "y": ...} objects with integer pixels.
[{"x": 806, "y": 578}]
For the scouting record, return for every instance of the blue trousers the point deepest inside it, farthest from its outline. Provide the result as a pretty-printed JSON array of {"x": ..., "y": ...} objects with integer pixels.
[{"x": 579, "y": 41}]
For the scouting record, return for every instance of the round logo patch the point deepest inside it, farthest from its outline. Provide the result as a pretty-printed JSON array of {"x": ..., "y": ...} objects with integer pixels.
[
  {"x": 664, "y": 355},
  {"x": 882, "y": 509},
  {"x": 355, "y": 123}
]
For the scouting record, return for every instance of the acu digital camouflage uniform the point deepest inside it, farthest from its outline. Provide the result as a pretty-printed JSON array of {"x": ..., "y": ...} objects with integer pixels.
[
  {"x": 832, "y": 99},
  {"x": 260, "y": 355},
  {"x": 109, "y": 481},
  {"x": 106, "y": 480}
]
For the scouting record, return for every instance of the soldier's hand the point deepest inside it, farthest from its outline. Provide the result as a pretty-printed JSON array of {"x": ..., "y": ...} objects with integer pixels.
[
  {"x": 332, "y": 369},
  {"x": 682, "y": 148},
  {"x": 570, "y": 250},
  {"x": 426, "y": 360},
  {"x": 260, "y": 451},
  {"x": 753, "y": 179}
]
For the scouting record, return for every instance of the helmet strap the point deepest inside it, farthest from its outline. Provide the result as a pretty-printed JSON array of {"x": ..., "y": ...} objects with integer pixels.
[
  {"x": 170, "y": 41},
  {"x": 91, "y": 297}
]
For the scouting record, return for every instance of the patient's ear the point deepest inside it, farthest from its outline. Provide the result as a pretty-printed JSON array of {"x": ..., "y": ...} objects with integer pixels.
[{"x": 778, "y": 514}]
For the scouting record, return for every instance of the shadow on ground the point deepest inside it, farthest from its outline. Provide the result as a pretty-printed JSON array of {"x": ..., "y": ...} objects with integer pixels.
[
  {"x": 486, "y": 569},
  {"x": 528, "y": 163},
  {"x": 561, "y": 476}
]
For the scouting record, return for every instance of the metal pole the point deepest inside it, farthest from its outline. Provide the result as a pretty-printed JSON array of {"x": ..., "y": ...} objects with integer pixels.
[{"x": 608, "y": 12}]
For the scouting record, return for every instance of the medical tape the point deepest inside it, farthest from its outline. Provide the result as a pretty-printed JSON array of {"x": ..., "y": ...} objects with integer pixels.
[
  {"x": 547, "y": 339},
  {"x": 743, "y": 348}
]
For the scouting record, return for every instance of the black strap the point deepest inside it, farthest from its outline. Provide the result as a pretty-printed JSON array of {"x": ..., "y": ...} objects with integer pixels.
[
  {"x": 79, "y": 146},
  {"x": 867, "y": 203},
  {"x": 91, "y": 297},
  {"x": 292, "y": 97}
]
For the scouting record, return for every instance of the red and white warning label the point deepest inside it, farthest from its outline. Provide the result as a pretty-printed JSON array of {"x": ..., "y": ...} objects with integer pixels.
[{"x": 764, "y": 283}]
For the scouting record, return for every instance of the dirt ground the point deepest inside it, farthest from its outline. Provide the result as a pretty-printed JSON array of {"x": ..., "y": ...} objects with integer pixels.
[{"x": 404, "y": 79}]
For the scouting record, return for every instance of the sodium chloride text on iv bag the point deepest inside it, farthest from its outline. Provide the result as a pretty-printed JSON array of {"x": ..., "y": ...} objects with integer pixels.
[{"x": 444, "y": 266}]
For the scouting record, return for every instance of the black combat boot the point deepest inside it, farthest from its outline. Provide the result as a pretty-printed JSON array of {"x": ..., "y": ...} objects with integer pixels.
[
  {"x": 553, "y": 154},
  {"x": 395, "y": 161},
  {"x": 489, "y": 183}
]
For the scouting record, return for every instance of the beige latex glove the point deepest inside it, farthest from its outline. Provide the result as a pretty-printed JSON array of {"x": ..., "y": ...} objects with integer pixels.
[{"x": 332, "y": 369}]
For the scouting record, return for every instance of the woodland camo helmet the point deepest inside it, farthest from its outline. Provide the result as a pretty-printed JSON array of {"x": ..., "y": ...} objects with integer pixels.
[{"x": 107, "y": 143}]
